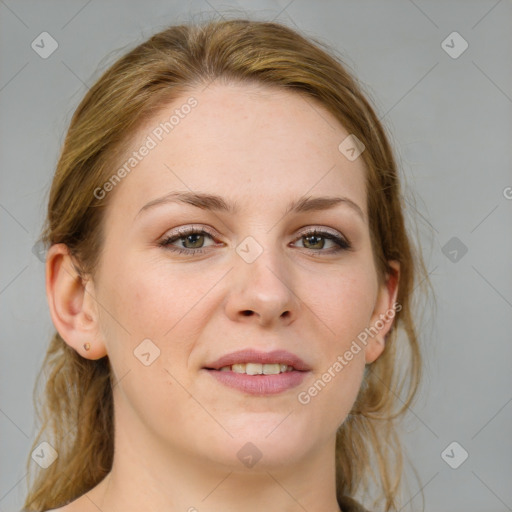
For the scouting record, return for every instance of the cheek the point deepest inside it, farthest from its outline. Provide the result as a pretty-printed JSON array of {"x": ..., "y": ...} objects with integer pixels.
[
  {"x": 330, "y": 394},
  {"x": 147, "y": 332},
  {"x": 344, "y": 303},
  {"x": 150, "y": 299},
  {"x": 153, "y": 301},
  {"x": 347, "y": 303}
]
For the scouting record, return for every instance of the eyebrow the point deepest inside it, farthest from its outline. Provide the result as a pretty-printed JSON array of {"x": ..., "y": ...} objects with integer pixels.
[{"x": 217, "y": 203}]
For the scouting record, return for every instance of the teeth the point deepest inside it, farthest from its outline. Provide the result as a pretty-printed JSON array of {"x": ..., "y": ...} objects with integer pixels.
[
  {"x": 254, "y": 368},
  {"x": 257, "y": 368},
  {"x": 271, "y": 369},
  {"x": 238, "y": 368}
]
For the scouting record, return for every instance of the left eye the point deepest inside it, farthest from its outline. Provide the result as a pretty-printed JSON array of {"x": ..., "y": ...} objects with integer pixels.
[
  {"x": 195, "y": 237},
  {"x": 312, "y": 238}
]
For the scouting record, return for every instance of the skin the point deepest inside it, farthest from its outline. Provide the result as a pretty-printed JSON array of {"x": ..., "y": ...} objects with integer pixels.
[{"x": 178, "y": 430}]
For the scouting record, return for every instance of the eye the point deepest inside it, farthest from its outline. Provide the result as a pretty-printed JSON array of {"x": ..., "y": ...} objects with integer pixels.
[
  {"x": 317, "y": 237},
  {"x": 193, "y": 239},
  {"x": 190, "y": 236}
]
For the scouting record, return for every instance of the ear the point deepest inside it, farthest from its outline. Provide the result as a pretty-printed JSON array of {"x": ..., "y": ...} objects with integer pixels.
[
  {"x": 384, "y": 313},
  {"x": 73, "y": 308}
]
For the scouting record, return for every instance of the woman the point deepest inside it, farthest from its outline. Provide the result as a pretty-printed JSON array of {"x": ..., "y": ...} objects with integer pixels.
[{"x": 228, "y": 269}]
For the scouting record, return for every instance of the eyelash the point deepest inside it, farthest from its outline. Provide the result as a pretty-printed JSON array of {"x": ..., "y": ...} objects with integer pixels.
[{"x": 343, "y": 245}]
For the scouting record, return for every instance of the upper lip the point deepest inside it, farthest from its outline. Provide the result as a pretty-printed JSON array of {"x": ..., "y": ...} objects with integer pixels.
[{"x": 253, "y": 356}]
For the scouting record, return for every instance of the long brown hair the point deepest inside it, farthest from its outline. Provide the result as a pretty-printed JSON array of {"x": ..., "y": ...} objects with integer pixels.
[{"x": 76, "y": 409}]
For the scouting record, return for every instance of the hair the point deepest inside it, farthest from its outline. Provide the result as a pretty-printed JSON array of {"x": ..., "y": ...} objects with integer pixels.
[{"x": 77, "y": 402}]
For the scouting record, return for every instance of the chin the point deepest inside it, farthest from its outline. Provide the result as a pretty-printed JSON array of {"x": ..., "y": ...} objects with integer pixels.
[{"x": 262, "y": 446}]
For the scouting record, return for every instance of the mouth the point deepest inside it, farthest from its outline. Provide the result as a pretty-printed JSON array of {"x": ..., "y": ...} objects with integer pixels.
[
  {"x": 259, "y": 373},
  {"x": 258, "y": 368},
  {"x": 250, "y": 360}
]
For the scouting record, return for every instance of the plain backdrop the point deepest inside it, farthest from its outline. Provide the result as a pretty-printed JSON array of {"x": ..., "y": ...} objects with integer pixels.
[{"x": 449, "y": 115}]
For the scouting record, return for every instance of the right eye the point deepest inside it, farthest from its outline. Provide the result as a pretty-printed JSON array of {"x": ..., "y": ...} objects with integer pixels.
[{"x": 190, "y": 235}]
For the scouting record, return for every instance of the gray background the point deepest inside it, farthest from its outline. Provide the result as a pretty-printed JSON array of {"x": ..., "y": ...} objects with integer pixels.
[{"x": 450, "y": 122}]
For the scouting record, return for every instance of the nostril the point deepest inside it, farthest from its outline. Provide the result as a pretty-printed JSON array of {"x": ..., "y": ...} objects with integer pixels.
[{"x": 247, "y": 312}]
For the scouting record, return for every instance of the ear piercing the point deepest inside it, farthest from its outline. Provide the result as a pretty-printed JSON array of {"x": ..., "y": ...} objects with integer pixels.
[{"x": 87, "y": 346}]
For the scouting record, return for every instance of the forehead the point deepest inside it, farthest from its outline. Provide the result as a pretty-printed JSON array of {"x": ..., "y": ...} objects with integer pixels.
[{"x": 247, "y": 143}]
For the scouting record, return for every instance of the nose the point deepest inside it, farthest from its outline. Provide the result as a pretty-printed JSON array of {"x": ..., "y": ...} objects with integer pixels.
[{"x": 262, "y": 291}]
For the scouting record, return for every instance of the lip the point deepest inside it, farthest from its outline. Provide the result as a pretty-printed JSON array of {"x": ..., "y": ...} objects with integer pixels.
[
  {"x": 259, "y": 384},
  {"x": 253, "y": 356}
]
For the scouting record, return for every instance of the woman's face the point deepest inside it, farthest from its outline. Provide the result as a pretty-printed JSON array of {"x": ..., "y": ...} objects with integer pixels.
[{"x": 256, "y": 280}]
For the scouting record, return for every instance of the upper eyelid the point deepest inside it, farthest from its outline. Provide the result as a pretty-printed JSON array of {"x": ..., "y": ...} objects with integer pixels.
[{"x": 186, "y": 230}]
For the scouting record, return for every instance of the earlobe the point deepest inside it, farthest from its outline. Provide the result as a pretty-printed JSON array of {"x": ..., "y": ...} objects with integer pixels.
[
  {"x": 72, "y": 308},
  {"x": 384, "y": 313}
]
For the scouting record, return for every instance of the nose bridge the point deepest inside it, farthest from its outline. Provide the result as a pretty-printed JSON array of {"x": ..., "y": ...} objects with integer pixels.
[
  {"x": 261, "y": 278},
  {"x": 262, "y": 258}
]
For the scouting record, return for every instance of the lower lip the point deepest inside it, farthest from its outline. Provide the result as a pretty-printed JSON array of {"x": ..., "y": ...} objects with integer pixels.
[{"x": 259, "y": 384}]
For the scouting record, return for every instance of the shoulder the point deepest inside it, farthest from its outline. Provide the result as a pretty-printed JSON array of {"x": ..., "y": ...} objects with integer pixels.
[{"x": 350, "y": 505}]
